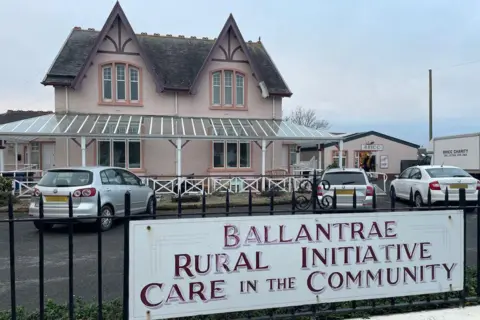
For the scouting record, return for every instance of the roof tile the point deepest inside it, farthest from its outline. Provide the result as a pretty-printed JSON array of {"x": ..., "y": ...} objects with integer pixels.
[{"x": 176, "y": 59}]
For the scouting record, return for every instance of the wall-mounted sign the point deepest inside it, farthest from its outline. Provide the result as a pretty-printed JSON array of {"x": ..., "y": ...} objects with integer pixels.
[
  {"x": 383, "y": 162},
  {"x": 238, "y": 263},
  {"x": 372, "y": 147},
  {"x": 455, "y": 153}
]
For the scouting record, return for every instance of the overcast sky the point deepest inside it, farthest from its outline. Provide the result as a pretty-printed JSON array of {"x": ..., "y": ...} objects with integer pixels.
[{"x": 362, "y": 65}]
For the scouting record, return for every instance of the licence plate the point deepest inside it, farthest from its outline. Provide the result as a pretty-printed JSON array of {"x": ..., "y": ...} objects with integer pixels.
[
  {"x": 344, "y": 192},
  {"x": 459, "y": 186},
  {"x": 56, "y": 199}
]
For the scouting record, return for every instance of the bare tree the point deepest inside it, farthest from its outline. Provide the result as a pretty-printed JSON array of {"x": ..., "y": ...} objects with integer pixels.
[{"x": 307, "y": 118}]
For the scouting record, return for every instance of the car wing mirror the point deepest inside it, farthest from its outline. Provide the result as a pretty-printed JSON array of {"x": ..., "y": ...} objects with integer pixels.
[{"x": 397, "y": 176}]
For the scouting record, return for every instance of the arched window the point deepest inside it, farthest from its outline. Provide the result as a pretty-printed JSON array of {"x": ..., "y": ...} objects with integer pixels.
[
  {"x": 120, "y": 84},
  {"x": 228, "y": 89}
]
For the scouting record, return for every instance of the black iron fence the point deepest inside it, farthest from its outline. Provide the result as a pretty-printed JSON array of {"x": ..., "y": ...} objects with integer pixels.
[{"x": 304, "y": 202}]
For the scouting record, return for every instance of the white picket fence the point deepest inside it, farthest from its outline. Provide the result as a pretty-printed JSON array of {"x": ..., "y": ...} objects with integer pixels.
[{"x": 214, "y": 184}]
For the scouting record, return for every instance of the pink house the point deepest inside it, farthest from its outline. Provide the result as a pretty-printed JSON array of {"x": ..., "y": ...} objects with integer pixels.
[
  {"x": 116, "y": 71},
  {"x": 161, "y": 105}
]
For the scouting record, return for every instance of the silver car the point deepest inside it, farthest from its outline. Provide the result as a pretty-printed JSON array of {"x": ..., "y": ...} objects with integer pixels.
[
  {"x": 345, "y": 181},
  {"x": 85, "y": 183}
]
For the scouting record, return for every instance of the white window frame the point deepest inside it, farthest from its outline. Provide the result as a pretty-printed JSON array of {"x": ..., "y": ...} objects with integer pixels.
[
  {"x": 225, "y": 143},
  {"x": 121, "y": 129},
  {"x": 224, "y": 87},
  {"x": 220, "y": 73},
  {"x": 107, "y": 66},
  {"x": 292, "y": 150},
  {"x": 130, "y": 69},
  {"x": 229, "y": 87},
  {"x": 335, "y": 157},
  {"x": 238, "y": 74},
  {"x": 117, "y": 81}
]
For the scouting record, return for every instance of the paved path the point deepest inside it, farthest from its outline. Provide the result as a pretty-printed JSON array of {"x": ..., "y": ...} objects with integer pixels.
[{"x": 85, "y": 260}]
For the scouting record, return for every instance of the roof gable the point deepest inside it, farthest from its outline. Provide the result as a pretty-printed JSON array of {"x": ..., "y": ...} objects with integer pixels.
[
  {"x": 174, "y": 62},
  {"x": 116, "y": 13},
  {"x": 360, "y": 135},
  {"x": 230, "y": 25}
]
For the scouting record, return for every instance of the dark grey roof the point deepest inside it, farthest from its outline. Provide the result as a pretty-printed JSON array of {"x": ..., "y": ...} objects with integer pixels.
[
  {"x": 359, "y": 135},
  {"x": 177, "y": 60},
  {"x": 18, "y": 115}
]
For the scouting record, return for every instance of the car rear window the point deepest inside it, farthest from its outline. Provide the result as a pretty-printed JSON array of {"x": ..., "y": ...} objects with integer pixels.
[
  {"x": 345, "y": 178},
  {"x": 66, "y": 178},
  {"x": 447, "y": 173}
]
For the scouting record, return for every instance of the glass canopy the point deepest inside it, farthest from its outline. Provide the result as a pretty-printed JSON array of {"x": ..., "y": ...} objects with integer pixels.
[{"x": 159, "y": 127}]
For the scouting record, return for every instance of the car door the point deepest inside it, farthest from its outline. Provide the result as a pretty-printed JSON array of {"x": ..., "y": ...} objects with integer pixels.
[
  {"x": 400, "y": 184},
  {"x": 133, "y": 184},
  {"x": 113, "y": 190},
  {"x": 413, "y": 181}
]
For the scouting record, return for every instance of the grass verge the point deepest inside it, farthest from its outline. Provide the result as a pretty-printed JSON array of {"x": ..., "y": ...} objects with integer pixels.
[{"x": 240, "y": 200}]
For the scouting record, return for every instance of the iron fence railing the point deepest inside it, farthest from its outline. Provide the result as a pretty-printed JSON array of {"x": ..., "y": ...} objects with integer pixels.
[{"x": 303, "y": 202}]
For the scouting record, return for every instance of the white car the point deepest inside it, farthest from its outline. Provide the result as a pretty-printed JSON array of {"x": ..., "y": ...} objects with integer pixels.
[
  {"x": 345, "y": 181},
  {"x": 420, "y": 179}
]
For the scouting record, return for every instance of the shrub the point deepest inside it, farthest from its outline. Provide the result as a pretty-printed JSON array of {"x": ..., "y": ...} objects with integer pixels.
[
  {"x": 5, "y": 191},
  {"x": 5, "y": 184},
  {"x": 112, "y": 310}
]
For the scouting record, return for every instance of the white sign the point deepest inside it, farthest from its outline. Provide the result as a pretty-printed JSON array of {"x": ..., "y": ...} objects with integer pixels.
[
  {"x": 455, "y": 153},
  {"x": 187, "y": 267},
  {"x": 383, "y": 162},
  {"x": 372, "y": 147}
]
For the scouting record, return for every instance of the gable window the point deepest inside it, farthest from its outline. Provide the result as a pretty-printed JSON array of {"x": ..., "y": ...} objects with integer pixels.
[
  {"x": 228, "y": 89},
  {"x": 121, "y": 89},
  {"x": 107, "y": 83},
  {"x": 216, "y": 88},
  {"x": 121, "y": 84},
  {"x": 240, "y": 89},
  {"x": 134, "y": 83}
]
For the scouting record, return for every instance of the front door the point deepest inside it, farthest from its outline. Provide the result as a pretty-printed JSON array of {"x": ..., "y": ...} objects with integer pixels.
[{"x": 48, "y": 155}]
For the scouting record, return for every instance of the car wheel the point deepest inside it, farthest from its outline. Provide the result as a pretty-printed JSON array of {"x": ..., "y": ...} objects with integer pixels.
[
  {"x": 107, "y": 222},
  {"x": 46, "y": 226},
  {"x": 418, "y": 200},
  {"x": 150, "y": 206}
]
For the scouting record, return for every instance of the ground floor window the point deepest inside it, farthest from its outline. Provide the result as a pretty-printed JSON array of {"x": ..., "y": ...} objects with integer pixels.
[
  {"x": 336, "y": 155},
  {"x": 231, "y": 154},
  {"x": 119, "y": 153},
  {"x": 35, "y": 154},
  {"x": 360, "y": 157},
  {"x": 365, "y": 160},
  {"x": 293, "y": 154}
]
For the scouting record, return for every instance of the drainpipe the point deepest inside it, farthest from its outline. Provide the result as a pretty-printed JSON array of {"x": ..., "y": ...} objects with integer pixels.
[
  {"x": 176, "y": 104},
  {"x": 178, "y": 153},
  {"x": 68, "y": 139},
  {"x": 273, "y": 144}
]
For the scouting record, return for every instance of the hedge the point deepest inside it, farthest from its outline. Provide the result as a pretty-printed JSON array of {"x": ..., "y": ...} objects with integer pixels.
[{"x": 112, "y": 310}]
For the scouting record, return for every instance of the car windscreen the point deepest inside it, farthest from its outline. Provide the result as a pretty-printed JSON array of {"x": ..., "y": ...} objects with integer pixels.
[
  {"x": 345, "y": 178},
  {"x": 447, "y": 173},
  {"x": 66, "y": 178}
]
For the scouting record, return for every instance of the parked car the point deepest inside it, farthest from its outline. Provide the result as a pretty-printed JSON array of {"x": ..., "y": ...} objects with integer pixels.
[
  {"x": 345, "y": 181},
  {"x": 419, "y": 179},
  {"x": 84, "y": 184}
]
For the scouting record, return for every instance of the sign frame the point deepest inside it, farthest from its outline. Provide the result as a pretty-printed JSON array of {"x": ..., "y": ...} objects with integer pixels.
[{"x": 155, "y": 247}]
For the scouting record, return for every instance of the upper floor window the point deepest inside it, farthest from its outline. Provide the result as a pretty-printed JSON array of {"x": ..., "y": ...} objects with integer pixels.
[
  {"x": 120, "y": 84},
  {"x": 228, "y": 89}
]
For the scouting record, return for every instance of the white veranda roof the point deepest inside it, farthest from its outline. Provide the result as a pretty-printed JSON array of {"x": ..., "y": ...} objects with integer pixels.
[{"x": 159, "y": 127}]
